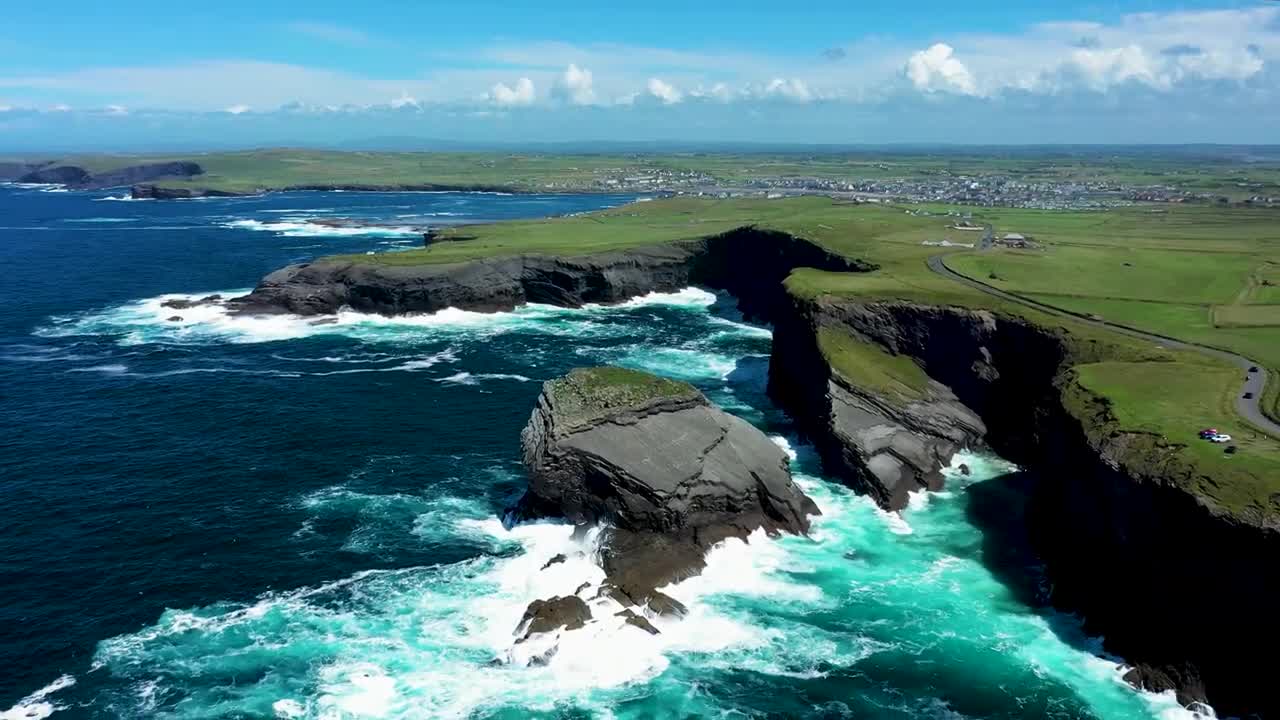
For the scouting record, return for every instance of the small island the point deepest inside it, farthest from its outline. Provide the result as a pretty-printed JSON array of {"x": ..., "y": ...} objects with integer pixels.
[{"x": 662, "y": 473}]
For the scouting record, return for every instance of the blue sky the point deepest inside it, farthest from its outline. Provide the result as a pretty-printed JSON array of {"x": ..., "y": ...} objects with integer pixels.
[{"x": 97, "y": 75}]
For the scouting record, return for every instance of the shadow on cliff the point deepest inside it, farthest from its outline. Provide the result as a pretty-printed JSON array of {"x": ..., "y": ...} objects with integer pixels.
[{"x": 998, "y": 509}]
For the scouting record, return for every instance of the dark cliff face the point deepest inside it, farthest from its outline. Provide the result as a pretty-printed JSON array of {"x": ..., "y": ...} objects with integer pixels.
[
  {"x": 1181, "y": 590},
  {"x": 12, "y": 171},
  {"x": 81, "y": 179},
  {"x": 749, "y": 263},
  {"x": 58, "y": 175},
  {"x": 144, "y": 173}
]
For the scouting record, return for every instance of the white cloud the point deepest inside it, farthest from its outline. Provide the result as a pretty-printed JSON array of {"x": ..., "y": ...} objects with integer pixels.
[
  {"x": 60, "y": 107},
  {"x": 936, "y": 69},
  {"x": 522, "y": 94},
  {"x": 116, "y": 110},
  {"x": 237, "y": 109},
  {"x": 405, "y": 100},
  {"x": 575, "y": 86},
  {"x": 719, "y": 92},
  {"x": 794, "y": 90},
  {"x": 1168, "y": 52},
  {"x": 663, "y": 91}
]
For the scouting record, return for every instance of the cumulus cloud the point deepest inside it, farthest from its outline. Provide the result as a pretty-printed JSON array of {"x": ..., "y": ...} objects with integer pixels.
[
  {"x": 936, "y": 69},
  {"x": 719, "y": 92},
  {"x": 116, "y": 110},
  {"x": 794, "y": 89},
  {"x": 663, "y": 91},
  {"x": 508, "y": 96},
  {"x": 405, "y": 100},
  {"x": 574, "y": 86},
  {"x": 237, "y": 109}
]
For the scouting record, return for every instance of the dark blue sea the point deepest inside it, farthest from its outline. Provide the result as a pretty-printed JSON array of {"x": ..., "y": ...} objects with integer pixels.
[{"x": 207, "y": 516}]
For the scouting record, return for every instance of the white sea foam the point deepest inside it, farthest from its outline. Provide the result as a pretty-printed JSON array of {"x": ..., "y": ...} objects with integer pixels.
[
  {"x": 37, "y": 705},
  {"x": 37, "y": 186},
  {"x": 301, "y": 227},
  {"x": 148, "y": 321},
  {"x": 102, "y": 220},
  {"x": 121, "y": 198}
]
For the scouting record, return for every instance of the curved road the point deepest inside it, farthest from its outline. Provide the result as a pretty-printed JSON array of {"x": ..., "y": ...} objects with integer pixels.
[{"x": 1250, "y": 410}]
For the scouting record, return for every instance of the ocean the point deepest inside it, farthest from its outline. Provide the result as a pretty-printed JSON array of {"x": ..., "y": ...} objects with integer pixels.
[{"x": 218, "y": 517}]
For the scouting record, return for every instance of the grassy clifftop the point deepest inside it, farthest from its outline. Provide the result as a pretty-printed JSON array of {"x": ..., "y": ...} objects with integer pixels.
[{"x": 587, "y": 394}]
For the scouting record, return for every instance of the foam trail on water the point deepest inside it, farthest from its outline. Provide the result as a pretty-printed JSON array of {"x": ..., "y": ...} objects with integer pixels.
[
  {"x": 37, "y": 705},
  {"x": 150, "y": 321},
  {"x": 305, "y": 228}
]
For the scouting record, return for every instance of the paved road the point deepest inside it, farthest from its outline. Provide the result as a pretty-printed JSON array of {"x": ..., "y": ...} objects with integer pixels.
[{"x": 1249, "y": 409}]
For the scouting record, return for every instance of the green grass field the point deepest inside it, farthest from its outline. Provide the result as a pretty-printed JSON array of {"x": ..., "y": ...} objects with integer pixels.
[
  {"x": 1198, "y": 274},
  {"x": 1184, "y": 265},
  {"x": 253, "y": 170},
  {"x": 870, "y": 366},
  {"x": 1171, "y": 401}
]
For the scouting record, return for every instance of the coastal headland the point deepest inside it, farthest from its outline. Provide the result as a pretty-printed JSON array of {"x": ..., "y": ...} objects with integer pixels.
[{"x": 1162, "y": 542}]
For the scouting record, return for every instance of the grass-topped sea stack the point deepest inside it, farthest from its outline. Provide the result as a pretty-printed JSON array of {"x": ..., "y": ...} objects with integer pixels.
[{"x": 669, "y": 472}]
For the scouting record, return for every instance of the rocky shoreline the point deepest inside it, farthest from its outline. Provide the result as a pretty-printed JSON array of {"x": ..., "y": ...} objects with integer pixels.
[
  {"x": 150, "y": 191},
  {"x": 1176, "y": 586}
]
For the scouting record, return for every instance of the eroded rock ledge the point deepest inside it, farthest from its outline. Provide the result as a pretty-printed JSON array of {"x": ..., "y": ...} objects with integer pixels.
[
  {"x": 749, "y": 262},
  {"x": 666, "y": 471}
]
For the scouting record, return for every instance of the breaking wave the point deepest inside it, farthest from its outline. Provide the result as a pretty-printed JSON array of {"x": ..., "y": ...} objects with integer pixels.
[
  {"x": 306, "y": 228},
  {"x": 150, "y": 321},
  {"x": 38, "y": 704}
]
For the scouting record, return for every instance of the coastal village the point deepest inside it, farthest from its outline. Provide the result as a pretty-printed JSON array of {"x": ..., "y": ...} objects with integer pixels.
[{"x": 941, "y": 187}]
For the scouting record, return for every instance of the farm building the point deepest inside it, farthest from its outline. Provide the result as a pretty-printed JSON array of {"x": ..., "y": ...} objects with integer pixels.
[{"x": 1016, "y": 240}]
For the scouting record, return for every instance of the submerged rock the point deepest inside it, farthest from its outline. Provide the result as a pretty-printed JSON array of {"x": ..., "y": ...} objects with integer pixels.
[
  {"x": 631, "y": 618},
  {"x": 181, "y": 304},
  {"x": 652, "y": 458},
  {"x": 542, "y": 616}
]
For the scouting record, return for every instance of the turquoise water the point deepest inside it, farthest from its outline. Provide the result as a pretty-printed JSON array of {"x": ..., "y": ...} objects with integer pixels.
[{"x": 268, "y": 518}]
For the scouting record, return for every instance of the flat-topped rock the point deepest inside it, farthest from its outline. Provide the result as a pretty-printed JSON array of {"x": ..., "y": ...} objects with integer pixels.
[{"x": 652, "y": 458}]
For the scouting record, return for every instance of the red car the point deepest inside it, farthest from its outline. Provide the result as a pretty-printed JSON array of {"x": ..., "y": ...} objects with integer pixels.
[{"x": 1208, "y": 432}]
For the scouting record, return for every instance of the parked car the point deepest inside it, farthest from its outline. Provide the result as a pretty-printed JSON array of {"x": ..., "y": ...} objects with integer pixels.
[
  {"x": 1220, "y": 438},
  {"x": 1248, "y": 396},
  {"x": 1231, "y": 450},
  {"x": 1253, "y": 369},
  {"x": 1208, "y": 433}
]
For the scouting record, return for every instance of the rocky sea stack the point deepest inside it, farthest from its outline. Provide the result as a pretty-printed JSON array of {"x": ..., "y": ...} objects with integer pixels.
[{"x": 666, "y": 471}]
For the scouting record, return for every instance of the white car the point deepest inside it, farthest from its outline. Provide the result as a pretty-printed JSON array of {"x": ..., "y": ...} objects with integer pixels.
[{"x": 1220, "y": 438}]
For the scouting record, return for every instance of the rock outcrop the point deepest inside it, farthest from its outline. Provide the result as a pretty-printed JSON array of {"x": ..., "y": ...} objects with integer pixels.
[
  {"x": 81, "y": 179},
  {"x": 748, "y": 262},
  {"x": 880, "y": 443},
  {"x": 156, "y": 192},
  {"x": 668, "y": 472},
  {"x": 569, "y": 612},
  {"x": 58, "y": 175}
]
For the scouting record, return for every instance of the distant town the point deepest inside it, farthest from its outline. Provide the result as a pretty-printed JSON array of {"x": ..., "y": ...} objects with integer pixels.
[{"x": 977, "y": 190}]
